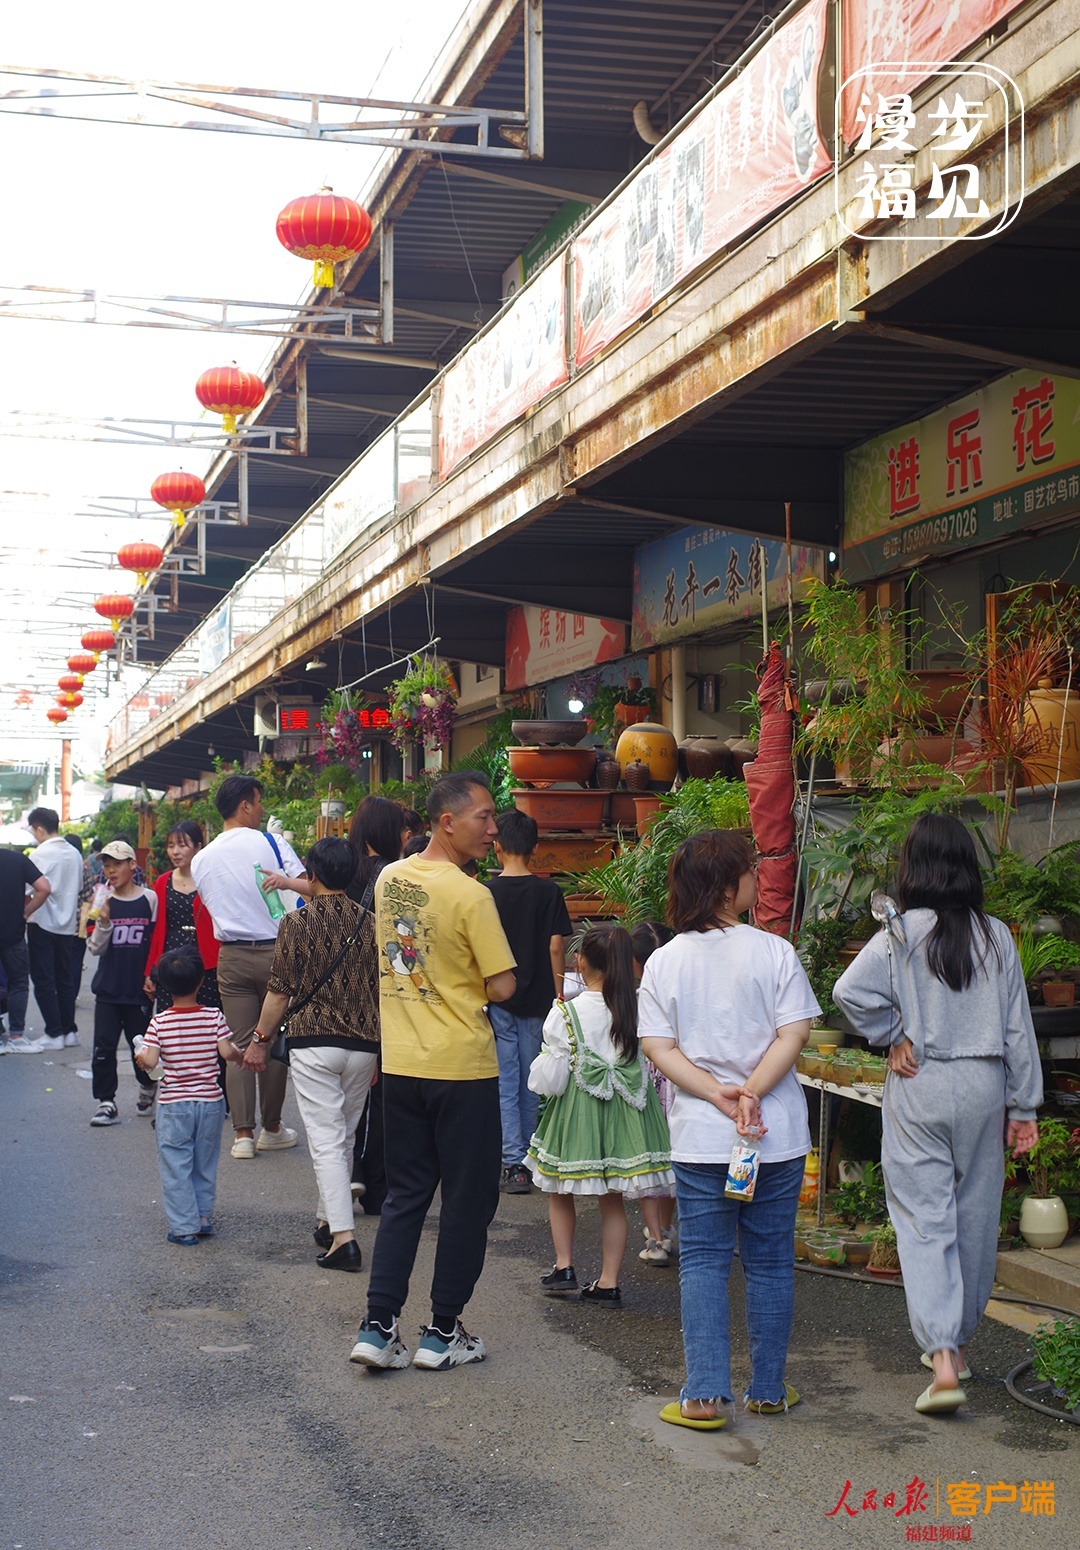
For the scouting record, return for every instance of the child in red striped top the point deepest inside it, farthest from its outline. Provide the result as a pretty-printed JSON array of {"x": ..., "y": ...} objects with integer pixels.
[{"x": 186, "y": 1039}]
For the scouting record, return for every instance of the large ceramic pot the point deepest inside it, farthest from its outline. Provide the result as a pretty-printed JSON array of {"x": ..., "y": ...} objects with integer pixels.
[
  {"x": 542, "y": 767},
  {"x": 548, "y": 732},
  {"x": 1056, "y": 715},
  {"x": 743, "y": 750},
  {"x": 700, "y": 758},
  {"x": 947, "y": 692},
  {"x": 653, "y": 745},
  {"x": 1044, "y": 1224},
  {"x": 562, "y": 810}
]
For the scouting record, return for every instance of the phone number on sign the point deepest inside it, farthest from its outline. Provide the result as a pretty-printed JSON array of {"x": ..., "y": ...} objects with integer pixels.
[{"x": 953, "y": 527}]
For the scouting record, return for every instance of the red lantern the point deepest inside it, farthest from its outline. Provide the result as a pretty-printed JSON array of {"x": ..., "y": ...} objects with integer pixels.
[
  {"x": 24, "y": 699},
  {"x": 115, "y": 608},
  {"x": 179, "y": 493},
  {"x": 56, "y": 715},
  {"x": 70, "y": 682},
  {"x": 96, "y": 641},
  {"x": 69, "y": 701},
  {"x": 228, "y": 391},
  {"x": 142, "y": 559},
  {"x": 324, "y": 227},
  {"x": 163, "y": 700},
  {"x": 82, "y": 662}
]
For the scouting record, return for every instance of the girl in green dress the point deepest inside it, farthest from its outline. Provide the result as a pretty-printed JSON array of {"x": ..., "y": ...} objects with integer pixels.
[{"x": 603, "y": 1132}]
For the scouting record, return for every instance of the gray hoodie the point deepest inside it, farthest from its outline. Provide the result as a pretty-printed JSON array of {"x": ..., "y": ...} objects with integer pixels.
[{"x": 888, "y": 998}]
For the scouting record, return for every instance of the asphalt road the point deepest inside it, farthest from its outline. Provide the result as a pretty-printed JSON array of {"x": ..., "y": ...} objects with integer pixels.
[{"x": 169, "y": 1398}]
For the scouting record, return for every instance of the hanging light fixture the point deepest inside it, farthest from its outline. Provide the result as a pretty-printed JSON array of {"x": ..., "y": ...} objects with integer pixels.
[
  {"x": 179, "y": 493},
  {"x": 142, "y": 558},
  {"x": 228, "y": 391},
  {"x": 325, "y": 228},
  {"x": 115, "y": 607},
  {"x": 96, "y": 641}
]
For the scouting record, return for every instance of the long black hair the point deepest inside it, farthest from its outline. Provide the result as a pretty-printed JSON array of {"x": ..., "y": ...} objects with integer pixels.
[
  {"x": 939, "y": 871},
  {"x": 646, "y": 937},
  {"x": 608, "y": 951},
  {"x": 377, "y": 822}
]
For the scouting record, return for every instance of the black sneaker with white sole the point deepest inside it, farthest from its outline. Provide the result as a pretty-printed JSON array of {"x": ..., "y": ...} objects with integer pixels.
[
  {"x": 515, "y": 1181},
  {"x": 106, "y": 1114},
  {"x": 557, "y": 1282}
]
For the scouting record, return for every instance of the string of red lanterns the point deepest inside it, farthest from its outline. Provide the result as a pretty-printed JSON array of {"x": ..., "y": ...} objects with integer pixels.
[
  {"x": 96, "y": 641},
  {"x": 82, "y": 662}
]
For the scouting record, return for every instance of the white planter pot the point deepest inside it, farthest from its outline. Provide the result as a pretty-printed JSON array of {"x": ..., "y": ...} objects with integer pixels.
[
  {"x": 333, "y": 809},
  {"x": 1043, "y": 1223},
  {"x": 851, "y": 1172}
]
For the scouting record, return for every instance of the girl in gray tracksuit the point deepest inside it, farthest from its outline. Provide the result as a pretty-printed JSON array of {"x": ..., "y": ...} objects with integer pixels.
[{"x": 942, "y": 987}]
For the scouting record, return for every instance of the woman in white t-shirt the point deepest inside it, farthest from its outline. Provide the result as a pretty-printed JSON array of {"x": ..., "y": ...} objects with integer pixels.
[{"x": 724, "y": 1011}]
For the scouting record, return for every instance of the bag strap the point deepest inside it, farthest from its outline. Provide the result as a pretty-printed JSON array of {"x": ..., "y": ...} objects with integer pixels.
[
  {"x": 274, "y": 848},
  {"x": 350, "y": 941}
]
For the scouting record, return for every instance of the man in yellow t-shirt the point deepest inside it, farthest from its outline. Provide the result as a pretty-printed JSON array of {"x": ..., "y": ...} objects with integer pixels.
[{"x": 442, "y": 958}]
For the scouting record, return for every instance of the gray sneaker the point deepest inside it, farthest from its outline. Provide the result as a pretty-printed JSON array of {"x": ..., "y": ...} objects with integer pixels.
[
  {"x": 438, "y": 1353},
  {"x": 378, "y": 1347},
  {"x": 106, "y": 1114}
]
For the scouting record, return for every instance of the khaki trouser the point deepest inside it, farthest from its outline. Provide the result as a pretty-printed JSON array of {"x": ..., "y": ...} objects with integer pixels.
[{"x": 242, "y": 974}]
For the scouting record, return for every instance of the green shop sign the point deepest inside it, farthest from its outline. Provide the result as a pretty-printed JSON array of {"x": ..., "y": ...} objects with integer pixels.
[{"x": 1002, "y": 459}]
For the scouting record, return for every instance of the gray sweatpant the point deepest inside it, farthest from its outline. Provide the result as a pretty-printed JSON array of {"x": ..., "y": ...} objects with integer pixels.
[{"x": 942, "y": 1154}]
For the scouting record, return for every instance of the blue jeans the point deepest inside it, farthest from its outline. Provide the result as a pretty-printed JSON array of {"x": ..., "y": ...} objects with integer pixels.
[
  {"x": 517, "y": 1044},
  {"x": 708, "y": 1224},
  {"x": 188, "y": 1142}
]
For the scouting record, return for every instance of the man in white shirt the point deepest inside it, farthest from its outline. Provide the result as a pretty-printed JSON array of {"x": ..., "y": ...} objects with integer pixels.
[
  {"x": 229, "y": 887},
  {"x": 51, "y": 933}
]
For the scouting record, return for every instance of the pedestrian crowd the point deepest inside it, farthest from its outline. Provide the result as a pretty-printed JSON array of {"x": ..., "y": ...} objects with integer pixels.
[{"x": 438, "y": 1038}]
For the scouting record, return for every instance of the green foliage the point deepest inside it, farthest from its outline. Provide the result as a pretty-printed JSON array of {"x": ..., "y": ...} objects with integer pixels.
[
  {"x": 117, "y": 818},
  {"x": 863, "y": 1200},
  {"x": 1045, "y": 952},
  {"x": 635, "y": 882},
  {"x": 884, "y": 1255},
  {"x": 600, "y": 710},
  {"x": 1019, "y": 890},
  {"x": 848, "y": 866},
  {"x": 820, "y": 942},
  {"x": 1051, "y": 1164},
  {"x": 1057, "y": 1358},
  {"x": 1011, "y": 1205}
]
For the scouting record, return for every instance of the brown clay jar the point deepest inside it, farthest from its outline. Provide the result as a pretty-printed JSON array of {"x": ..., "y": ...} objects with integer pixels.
[{"x": 637, "y": 776}]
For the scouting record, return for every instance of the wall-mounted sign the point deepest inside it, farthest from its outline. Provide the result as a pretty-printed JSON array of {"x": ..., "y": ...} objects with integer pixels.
[
  {"x": 566, "y": 220},
  {"x": 367, "y": 493},
  {"x": 705, "y": 578},
  {"x": 1001, "y": 459},
  {"x": 215, "y": 638},
  {"x": 547, "y": 643}
]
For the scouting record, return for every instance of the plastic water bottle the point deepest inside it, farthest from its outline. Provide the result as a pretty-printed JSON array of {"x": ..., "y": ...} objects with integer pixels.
[{"x": 274, "y": 902}]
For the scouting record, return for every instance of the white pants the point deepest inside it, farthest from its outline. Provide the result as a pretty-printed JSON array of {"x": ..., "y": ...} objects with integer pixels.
[{"x": 331, "y": 1087}]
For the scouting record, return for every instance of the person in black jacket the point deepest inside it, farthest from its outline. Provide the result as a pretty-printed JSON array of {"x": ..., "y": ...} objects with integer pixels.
[{"x": 121, "y": 943}]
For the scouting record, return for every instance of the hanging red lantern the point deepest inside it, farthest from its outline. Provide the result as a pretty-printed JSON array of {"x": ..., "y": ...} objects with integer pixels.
[
  {"x": 96, "y": 641},
  {"x": 163, "y": 700},
  {"x": 24, "y": 699},
  {"x": 179, "y": 493},
  {"x": 82, "y": 662},
  {"x": 69, "y": 701},
  {"x": 228, "y": 391},
  {"x": 115, "y": 608},
  {"x": 70, "y": 682},
  {"x": 56, "y": 715},
  {"x": 142, "y": 559},
  {"x": 326, "y": 228}
]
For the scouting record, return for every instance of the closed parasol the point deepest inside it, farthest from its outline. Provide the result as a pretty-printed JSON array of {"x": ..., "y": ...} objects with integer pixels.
[{"x": 770, "y": 783}]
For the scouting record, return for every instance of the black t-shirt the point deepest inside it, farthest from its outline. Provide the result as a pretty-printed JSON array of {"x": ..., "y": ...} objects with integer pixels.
[
  {"x": 532, "y": 910},
  {"x": 16, "y": 871},
  {"x": 122, "y": 966}
]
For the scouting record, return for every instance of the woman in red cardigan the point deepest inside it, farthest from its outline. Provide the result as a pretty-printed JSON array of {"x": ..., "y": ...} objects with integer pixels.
[{"x": 183, "y": 921}]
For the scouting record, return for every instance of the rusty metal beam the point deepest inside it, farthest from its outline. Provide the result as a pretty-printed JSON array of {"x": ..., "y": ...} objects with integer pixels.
[{"x": 943, "y": 344}]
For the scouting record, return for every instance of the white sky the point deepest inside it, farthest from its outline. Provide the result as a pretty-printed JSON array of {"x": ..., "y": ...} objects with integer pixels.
[{"x": 150, "y": 212}]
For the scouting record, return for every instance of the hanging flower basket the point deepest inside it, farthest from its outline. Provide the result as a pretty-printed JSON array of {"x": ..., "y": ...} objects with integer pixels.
[{"x": 422, "y": 705}]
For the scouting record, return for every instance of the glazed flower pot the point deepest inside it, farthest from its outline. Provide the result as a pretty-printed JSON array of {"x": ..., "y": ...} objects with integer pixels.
[
  {"x": 700, "y": 758},
  {"x": 651, "y": 744},
  {"x": 1044, "y": 1223},
  {"x": 547, "y": 732},
  {"x": 543, "y": 766},
  {"x": 332, "y": 809}
]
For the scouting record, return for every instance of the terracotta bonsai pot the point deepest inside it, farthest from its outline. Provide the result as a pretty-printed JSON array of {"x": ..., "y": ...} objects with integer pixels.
[
  {"x": 646, "y": 811},
  {"x": 1059, "y": 993},
  {"x": 543, "y": 766},
  {"x": 653, "y": 745},
  {"x": 700, "y": 758},
  {"x": 629, "y": 715},
  {"x": 547, "y": 732},
  {"x": 556, "y": 810},
  {"x": 621, "y": 810}
]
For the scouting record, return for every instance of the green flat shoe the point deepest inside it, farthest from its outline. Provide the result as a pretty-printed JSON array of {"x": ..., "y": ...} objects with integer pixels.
[
  {"x": 673, "y": 1414},
  {"x": 963, "y": 1373},
  {"x": 944, "y": 1402},
  {"x": 774, "y": 1407}
]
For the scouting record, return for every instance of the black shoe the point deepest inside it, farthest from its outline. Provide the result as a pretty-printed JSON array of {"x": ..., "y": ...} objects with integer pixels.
[
  {"x": 516, "y": 1181},
  {"x": 557, "y": 1281},
  {"x": 323, "y": 1236},
  {"x": 347, "y": 1257},
  {"x": 594, "y": 1292}
]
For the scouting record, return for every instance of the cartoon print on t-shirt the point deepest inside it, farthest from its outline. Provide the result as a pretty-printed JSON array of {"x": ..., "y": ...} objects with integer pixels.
[
  {"x": 404, "y": 958},
  {"x": 407, "y": 938}
]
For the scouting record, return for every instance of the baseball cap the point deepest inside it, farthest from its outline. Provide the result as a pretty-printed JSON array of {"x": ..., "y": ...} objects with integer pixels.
[{"x": 119, "y": 850}]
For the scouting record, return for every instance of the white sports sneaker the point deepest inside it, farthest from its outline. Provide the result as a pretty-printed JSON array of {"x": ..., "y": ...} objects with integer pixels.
[
  {"x": 20, "y": 1045},
  {"x": 243, "y": 1148},
  {"x": 378, "y": 1347},
  {"x": 439, "y": 1354},
  {"x": 50, "y": 1041},
  {"x": 71, "y": 1041},
  {"x": 276, "y": 1140}
]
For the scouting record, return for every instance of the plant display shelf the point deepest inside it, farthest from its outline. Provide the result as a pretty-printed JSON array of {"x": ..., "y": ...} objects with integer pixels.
[{"x": 825, "y": 1090}]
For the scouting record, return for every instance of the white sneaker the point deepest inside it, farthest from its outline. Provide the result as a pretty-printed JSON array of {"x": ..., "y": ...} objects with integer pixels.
[
  {"x": 71, "y": 1041},
  {"x": 19, "y": 1045},
  {"x": 243, "y": 1148},
  {"x": 49, "y": 1041},
  {"x": 438, "y": 1353},
  {"x": 378, "y": 1347},
  {"x": 276, "y": 1140}
]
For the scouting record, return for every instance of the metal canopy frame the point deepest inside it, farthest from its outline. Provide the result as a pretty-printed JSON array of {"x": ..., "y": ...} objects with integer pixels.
[{"x": 406, "y": 127}]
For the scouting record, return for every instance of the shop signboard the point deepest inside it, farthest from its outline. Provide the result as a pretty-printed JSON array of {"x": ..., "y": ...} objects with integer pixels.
[
  {"x": 1002, "y": 459},
  {"x": 566, "y": 220},
  {"x": 706, "y": 578},
  {"x": 905, "y": 32},
  {"x": 367, "y": 493},
  {"x": 215, "y": 638},
  {"x": 505, "y": 371},
  {"x": 547, "y": 643},
  {"x": 755, "y": 145}
]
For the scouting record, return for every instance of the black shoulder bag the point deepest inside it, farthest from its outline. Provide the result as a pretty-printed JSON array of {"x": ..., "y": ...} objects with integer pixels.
[{"x": 279, "y": 1050}]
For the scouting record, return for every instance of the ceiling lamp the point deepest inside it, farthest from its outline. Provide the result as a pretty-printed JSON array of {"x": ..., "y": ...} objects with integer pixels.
[
  {"x": 326, "y": 228},
  {"x": 143, "y": 559},
  {"x": 56, "y": 715},
  {"x": 96, "y": 641},
  {"x": 82, "y": 662},
  {"x": 179, "y": 493},
  {"x": 115, "y": 608},
  {"x": 228, "y": 391},
  {"x": 70, "y": 683}
]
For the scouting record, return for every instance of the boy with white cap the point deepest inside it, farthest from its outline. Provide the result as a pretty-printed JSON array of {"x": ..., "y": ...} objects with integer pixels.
[{"x": 121, "y": 942}]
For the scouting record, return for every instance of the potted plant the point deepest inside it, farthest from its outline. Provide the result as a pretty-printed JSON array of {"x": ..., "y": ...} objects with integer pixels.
[
  {"x": 1042, "y": 958},
  {"x": 1008, "y": 1220},
  {"x": 884, "y": 1257},
  {"x": 332, "y": 785},
  {"x": 634, "y": 703},
  {"x": 1050, "y": 1166},
  {"x": 422, "y": 704},
  {"x": 820, "y": 944},
  {"x": 1057, "y": 1359},
  {"x": 861, "y": 1202}
]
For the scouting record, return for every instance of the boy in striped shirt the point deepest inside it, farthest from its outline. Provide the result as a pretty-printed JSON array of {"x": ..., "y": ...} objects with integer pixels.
[{"x": 186, "y": 1040}]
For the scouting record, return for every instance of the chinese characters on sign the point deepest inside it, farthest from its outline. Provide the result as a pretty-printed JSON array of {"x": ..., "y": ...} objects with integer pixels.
[
  {"x": 704, "y": 578},
  {"x": 1002, "y": 458},
  {"x": 547, "y": 643},
  {"x": 945, "y": 1499}
]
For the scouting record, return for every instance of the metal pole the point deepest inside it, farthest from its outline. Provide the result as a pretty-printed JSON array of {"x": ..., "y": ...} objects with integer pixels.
[
  {"x": 65, "y": 780},
  {"x": 764, "y": 606},
  {"x": 790, "y": 597},
  {"x": 678, "y": 692},
  {"x": 534, "y": 77},
  {"x": 386, "y": 284}
]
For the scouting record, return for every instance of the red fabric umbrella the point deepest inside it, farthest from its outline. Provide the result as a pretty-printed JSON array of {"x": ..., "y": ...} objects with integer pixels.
[{"x": 770, "y": 782}]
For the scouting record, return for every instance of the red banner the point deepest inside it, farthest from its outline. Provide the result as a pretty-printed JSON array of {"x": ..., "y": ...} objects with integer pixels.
[
  {"x": 919, "y": 32},
  {"x": 547, "y": 643},
  {"x": 506, "y": 371},
  {"x": 755, "y": 145}
]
